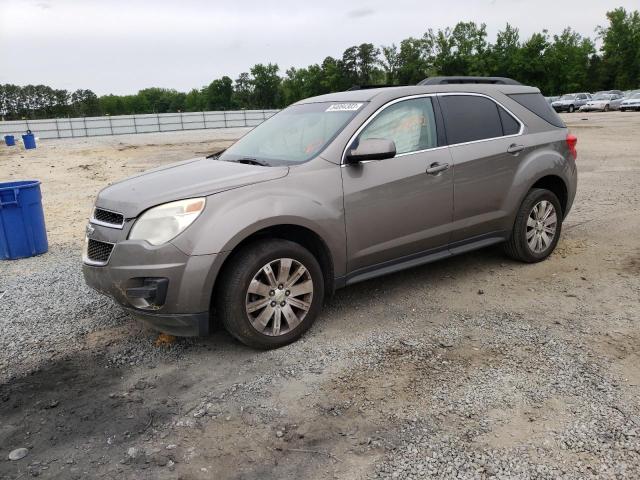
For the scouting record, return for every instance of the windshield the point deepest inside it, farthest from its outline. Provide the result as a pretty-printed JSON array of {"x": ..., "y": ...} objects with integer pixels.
[
  {"x": 603, "y": 96},
  {"x": 567, "y": 97},
  {"x": 635, "y": 95},
  {"x": 294, "y": 135}
]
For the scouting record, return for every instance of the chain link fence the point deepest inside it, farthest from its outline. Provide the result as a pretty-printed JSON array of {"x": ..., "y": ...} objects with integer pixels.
[{"x": 123, "y": 124}]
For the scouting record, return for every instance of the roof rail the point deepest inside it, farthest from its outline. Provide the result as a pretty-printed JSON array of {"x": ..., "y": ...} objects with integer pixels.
[
  {"x": 366, "y": 87},
  {"x": 458, "y": 80}
]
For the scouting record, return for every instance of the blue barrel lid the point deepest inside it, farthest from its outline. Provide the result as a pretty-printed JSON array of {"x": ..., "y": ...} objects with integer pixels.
[{"x": 19, "y": 184}]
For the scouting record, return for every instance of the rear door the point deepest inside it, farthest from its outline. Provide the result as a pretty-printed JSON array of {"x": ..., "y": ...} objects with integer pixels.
[
  {"x": 581, "y": 99},
  {"x": 394, "y": 207},
  {"x": 486, "y": 145}
]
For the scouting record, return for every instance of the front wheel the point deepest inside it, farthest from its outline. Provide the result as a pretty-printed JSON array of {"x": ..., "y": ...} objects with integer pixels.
[
  {"x": 537, "y": 228},
  {"x": 571, "y": 108},
  {"x": 270, "y": 293}
]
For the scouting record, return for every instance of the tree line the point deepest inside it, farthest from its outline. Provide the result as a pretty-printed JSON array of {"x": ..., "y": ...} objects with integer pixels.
[{"x": 556, "y": 64}]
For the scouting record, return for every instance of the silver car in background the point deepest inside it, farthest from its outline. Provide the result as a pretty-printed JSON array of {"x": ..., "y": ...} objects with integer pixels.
[
  {"x": 570, "y": 102},
  {"x": 631, "y": 103},
  {"x": 603, "y": 102}
]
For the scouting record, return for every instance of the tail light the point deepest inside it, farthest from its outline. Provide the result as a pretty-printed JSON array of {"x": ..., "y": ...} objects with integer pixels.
[{"x": 572, "y": 140}]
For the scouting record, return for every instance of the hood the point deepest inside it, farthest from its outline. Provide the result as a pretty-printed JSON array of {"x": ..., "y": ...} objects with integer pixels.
[{"x": 191, "y": 178}]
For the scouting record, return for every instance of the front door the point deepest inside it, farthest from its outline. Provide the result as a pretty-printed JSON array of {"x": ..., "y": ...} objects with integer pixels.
[{"x": 394, "y": 207}]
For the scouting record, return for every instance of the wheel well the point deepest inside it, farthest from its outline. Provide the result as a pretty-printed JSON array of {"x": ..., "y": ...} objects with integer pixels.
[
  {"x": 294, "y": 233},
  {"x": 557, "y": 186}
]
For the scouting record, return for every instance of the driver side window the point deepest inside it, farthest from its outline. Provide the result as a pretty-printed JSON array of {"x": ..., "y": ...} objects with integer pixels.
[{"x": 410, "y": 124}]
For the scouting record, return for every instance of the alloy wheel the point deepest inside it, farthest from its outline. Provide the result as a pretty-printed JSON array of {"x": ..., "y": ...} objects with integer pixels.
[
  {"x": 542, "y": 224},
  {"x": 279, "y": 297}
]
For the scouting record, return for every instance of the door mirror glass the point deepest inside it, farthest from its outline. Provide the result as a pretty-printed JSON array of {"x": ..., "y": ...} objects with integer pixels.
[{"x": 371, "y": 149}]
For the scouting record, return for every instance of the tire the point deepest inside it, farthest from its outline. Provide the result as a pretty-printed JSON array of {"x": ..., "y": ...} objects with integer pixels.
[
  {"x": 606, "y": 108},
  {"x": 571, "y": 108},
  {"x": 270, "y": 300},
  {"x": 518, "y": 246}
]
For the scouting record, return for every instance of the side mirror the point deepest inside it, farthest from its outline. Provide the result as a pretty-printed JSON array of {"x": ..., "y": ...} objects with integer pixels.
[{"x": 371, "y": 149}]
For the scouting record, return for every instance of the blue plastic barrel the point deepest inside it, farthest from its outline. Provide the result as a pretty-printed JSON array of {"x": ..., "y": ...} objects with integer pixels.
[
  {"x": 22, "y": 230},
  {"x": 29, "y": 140},
  {"x": 10, "y": 140}
]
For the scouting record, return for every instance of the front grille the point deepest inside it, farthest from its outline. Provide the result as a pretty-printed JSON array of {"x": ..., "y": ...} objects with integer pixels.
[
  {"x": 111, "y": 218},
  {"x": 99, "y": 251}
]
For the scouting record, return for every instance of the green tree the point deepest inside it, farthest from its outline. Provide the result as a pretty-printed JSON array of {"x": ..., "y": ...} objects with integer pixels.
[
  {"x": 567, "y": 61},
  {"x": 242, "y": 91},
  {"x": 85, "y": 103},
  {"x": 220, "y": 94},
  {"x": 195, "y": 101},
  {"x": 266, "y": 86},
  {"x": 504, "y": 57},
  {"x": 621, "y": 48}
]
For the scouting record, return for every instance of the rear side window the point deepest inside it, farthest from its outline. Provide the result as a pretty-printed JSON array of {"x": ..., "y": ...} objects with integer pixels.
[
  {"x": 468, "y": 118},
  {"x": 510, "y": 125},
  {"x": 536, "y": 103}
]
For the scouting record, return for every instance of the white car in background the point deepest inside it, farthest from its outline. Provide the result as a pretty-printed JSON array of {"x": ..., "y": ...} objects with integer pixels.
[
  {"x": 603, "y": 101},
  {"x": 631, "y": 103}
]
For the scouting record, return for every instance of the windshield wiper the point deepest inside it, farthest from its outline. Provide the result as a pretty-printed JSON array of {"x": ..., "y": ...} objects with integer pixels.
[
  {"x": 252, "y": 161},
  {"x": 215, "y": 155}
]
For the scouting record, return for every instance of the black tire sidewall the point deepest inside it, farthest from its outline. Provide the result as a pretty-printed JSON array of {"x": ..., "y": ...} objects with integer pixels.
[
  {"x": 571, "y": 108},
  {"x": 520, "y": 229},
  {"x": 249, "y": 261}
]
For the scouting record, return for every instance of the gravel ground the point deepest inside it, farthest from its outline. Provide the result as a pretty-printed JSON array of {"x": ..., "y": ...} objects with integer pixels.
[{"x": 475, "y": 367}]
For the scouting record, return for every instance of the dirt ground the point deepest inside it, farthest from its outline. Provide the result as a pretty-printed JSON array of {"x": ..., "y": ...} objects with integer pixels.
[{"x": 472, "y": 367}]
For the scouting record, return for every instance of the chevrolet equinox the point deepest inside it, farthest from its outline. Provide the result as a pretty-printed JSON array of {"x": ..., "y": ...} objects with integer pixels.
[{"x": 330, "y": 191}]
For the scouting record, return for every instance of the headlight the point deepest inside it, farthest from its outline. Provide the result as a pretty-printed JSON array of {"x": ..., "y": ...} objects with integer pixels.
[{"x": 160, "y": 224}]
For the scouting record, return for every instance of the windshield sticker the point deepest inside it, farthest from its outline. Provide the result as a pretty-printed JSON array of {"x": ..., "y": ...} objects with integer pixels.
[{"x": 343, "y": 107}]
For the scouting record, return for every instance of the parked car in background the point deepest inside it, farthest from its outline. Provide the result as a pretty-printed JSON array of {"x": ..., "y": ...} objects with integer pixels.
[
  {"x": 550, "y": 100},
  {"x": 331, "y": 191},
  {"x": 603, "y": 102},
  {"x": 630, "y": 103},
  {"x": 570, "y": 102}
]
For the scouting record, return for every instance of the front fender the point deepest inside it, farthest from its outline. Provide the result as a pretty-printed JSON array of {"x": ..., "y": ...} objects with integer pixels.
[{"x": 310, "y": 197}]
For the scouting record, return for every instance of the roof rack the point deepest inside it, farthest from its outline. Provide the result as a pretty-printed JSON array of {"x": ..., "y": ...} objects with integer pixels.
[
  {"x": 458, "y": 80},
  {"x": 366, "y": 87}
]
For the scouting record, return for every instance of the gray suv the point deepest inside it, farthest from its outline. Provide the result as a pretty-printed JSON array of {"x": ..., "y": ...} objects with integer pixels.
[{"x": 331, "y": 191}]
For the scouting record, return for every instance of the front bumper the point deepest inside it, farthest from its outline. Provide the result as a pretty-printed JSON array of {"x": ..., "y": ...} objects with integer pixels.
[
  {"x": 179, "y": 286},
  {"x": 178, "y": 324},
  {"x": 593, "y": 108}
]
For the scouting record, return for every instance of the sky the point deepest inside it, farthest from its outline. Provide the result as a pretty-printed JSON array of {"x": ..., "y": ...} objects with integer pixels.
[{"x": 120, "y": 47}]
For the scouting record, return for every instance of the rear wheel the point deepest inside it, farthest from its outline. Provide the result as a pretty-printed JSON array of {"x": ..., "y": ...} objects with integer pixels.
[
  {"x": 270, "y": 294},
  {"x": 537, "y": 228},
  {"x": 606, "y": 108}
]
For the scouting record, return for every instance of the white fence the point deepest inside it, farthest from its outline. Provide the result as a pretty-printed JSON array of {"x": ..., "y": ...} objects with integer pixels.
[{"x": 120, "y": 124}]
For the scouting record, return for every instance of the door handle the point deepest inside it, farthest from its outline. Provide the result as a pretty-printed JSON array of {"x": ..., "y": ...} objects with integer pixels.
[
  {"x": 436, "y": 168},
  {"x": 515, "y": 148}
]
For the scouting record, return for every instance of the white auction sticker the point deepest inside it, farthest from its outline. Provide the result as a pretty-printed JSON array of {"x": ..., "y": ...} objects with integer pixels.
[{"x": 343, "y": 107}]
